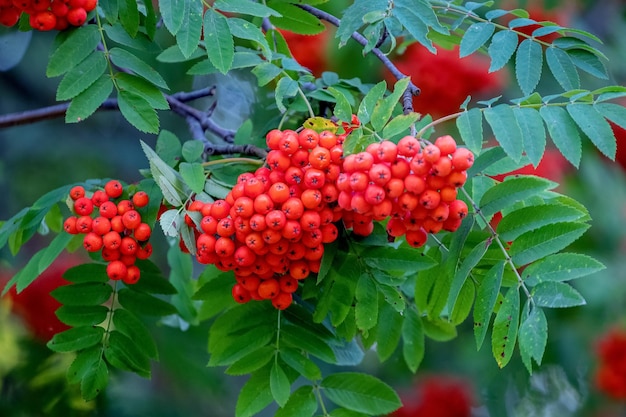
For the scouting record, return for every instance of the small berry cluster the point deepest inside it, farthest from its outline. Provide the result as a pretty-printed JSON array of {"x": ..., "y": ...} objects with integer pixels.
[
  {"x": 272, "y": 226},
  {"x": 414, "y": 187},
  {"x": 46, "y": 15},
  {"x": 113, "y": 227}
]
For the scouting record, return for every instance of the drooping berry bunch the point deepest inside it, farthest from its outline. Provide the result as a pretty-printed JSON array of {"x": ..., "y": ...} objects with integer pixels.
[
  {"x": 111, "y": 224},
  {"x": 272, "y": 226},
  {"x": 414, "y": 186},
  {"x": 46, "y": 15}
]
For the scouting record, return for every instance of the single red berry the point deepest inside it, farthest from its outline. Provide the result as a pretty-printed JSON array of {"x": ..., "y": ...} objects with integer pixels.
[
  {"x": 132, "y": 275},
  {"x": 83, "y": 206},
  {"x": 77, "y": 192},
  {"x": 141, "y": 199},
  {"x": 77, "y": 17},
  {"x": 116, "y": 270},
  {"x": 114, "y": 188}
]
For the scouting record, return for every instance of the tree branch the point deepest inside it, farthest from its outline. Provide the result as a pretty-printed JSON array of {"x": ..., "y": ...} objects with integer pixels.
[
  {"x": 412, "y": 89},
  {"x": 210, "y": 148}
]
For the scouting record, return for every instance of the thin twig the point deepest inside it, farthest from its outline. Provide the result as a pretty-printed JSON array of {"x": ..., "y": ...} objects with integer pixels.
[{"x": 210, "y": 148}]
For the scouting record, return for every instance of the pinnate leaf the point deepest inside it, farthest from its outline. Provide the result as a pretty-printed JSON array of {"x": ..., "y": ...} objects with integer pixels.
[
  {"x": 528, "y": 65},
  {"x": 505, "y": 327},
  {"x": 533, "y": 337},
  {"x": 555, "y": 294},
  {"x": 79, "y": 44},
  {"x": 76, "y": 338},
  {"x": 560, "y": 267},
  {"x": 217, "y": 34},
  {"x": 563, "y": 132},
  {"x": 360, "y": 392},
  {"x": 506, "y": 130}
]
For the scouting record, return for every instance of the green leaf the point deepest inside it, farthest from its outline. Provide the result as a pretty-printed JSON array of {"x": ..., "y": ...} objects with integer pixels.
[
  {"x": 193, "y": 174},
  {"x": 124, "y": 59},
  {"x": 266, "y": 72},
  {"x": 555, "y": 294},
  {"x": 342, "y": 110},
  {"x": 560, "y": 267},
  {"x": 169, "y": 180},
  {"x": 597, "y": 129},
  {"x": 76, "y": 338},
  {"x": 505, "y": 327},
  {"x": 173, "y": 55},
  {"x": 463, "y": 271},
  {"x": 614, "y": 112},
  {"x": 87, "y": 102},
  {"x": 129, "y": 16},
  {"x": 486, "y": 300},
  {"x": 528, "y": 65},
  {"x": 84, "y": 294},
  {"x": 533, "y": 337},
  {"x": 588, "y": 62},
  {"x": 412, "y": 340},
  {"x": 245, "y": 7},
  {"x": 506, "y": 130},
  {"x": 501, "y": 49},
  {"x": 296, "y": 20},
  {"x": 366, "y": 309},
  {"x": 530, "y": 218},
  {"x": 228, "y": 349},
  {"x": 138, "y": 112},
  {"x": 389, "y": 334},
  {"x": 562, "y": 68},
  {"x": 95, "y": 380},
  {"x": 475, "y": 36},
  {"x": 217, "y": 34},
  {"x": 243, "y": 29},
  {"x": 383, "y": 110},
  {"x": 307, "y": 341},
  {"x": 470, "y": 125},
  {"x": 563, "y": 132},
  {"x": 297, "y": 360},
  {"x": 399, "y": 125},
  {"x": 400, "y": 259},
  {"x": 511, "y": 191},
  {"x": 91, "y": 272},
  {"x": 424, "y": 11},
  {"x": 79, "y": 78},
  {"x": 279, "y": 385},
  {"x": 255, "y": 394},
  {"x": 544, "y": 241},
  {"x": 188, "y": 36},
  {"x": 253, "y": 361},
  {"x": 78, "y": 45},
  {"x": 152, "y": 280},
  {"x": 415, "y": 25},
  {"x": 302, "y": 403},
  {"x": 533, "y": 132},
  {"x": 352, "y": 19},
  {"x": 168, "y": 148},
  {"x": 287, "y": 87},
  {"x": 83, "y": 362},
  {"x": 360, "y": 392},
  {"x": 142, "y": 88},
  {"x": 464, "y": 303},
  {"x": 76, "y": 316},
  {"x": 366, "y": 108},
  {"x": 172, "y": 12},
  {"x": 122, "y": 353},
  {"x": 131, "y": 326},
  {"x": 142, "y": 303}
]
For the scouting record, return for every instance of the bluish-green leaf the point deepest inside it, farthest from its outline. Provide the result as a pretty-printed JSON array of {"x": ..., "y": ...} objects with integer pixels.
[
  {"x": 400, "y": 125},
  {"x": 384, "y": 108},
  {"x": 475, "y": 37},
  {"x": 366, "y": 107},
  {"x": 266, "y": 72},
  {"x": 389, "y": 331},
  {"x": 352, "y": 18},
  {"x": 401, "y": 259},
  {"x": 172, "y": 12},
  {"x": 470, "y": 125},
  {"x": 302, "y": 403},
  {"x": 366, "y": 309},
  {"x": 300, "y": 362},
  {"x": 287, "y": 87},
  {"x": 594, "y": 125},
  {"x": 544, "y": 241},
  {"x": 82, "y": 363},
  {"x": 554, "y": 294},
  {"x": 248, "y": 7},
  {"x": 528, "y": 65},
  {"x": 138, "y": 112},
  {"x": 80, "y": 43},
  {"x": 533, "y": 132},
  {"x": 76, "y": 338},
  {"x": 588, "y": 62},
  {"x": 533, "y": 337},
  {"x": 217, "y": 34},
  {"x": 529, "y": 218},
  {"x": 415, "y": 26},
  {"x": 505, "y": 327},
  {"x": 342, "y": 110},
  {"x": 188, "y": 36},
  {"x": 501, "y": 49},
  {"x": 562, "y": 68},
  {"x": 424, "y": 11},
  {"x": 129, "y": 16},
  {"x": 486, "y": 300},
  {"x": 79, "y": 78},
  {"x": 294, "y": 19},
  {"x": 506, "y": 130},
  {"x": 193, "y": 174},
  {"x": 124, "y": 59},
  {"x": 512, "y": 190},
  {"x": 243, "y": 29},
  {"x": 412, "y": 340},
  {"x": 560, "y": 267},
  {"x": 463, "y": 271},
  {"x": 614, "y": 112},
  {"x": 279, "y": 385},
  {"x": 252, "y": 361},
  {"x": 360, "y": 392},
  {"x": 563, "y": 132},
  {"x": 142, "y": 88},
  {"x": 87, "y": 102}
]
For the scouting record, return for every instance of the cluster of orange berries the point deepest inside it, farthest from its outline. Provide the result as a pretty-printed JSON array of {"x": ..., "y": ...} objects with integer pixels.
[
  {"x": 414, "y": 187},
  {"x": 272, "y": 226},
  {"x": 46, "y": 15},
  {"x": 112, "y": 224}
]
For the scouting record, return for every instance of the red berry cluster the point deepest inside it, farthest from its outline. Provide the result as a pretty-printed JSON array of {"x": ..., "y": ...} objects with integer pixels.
[
  {"x": 610, "y": 377},
  {"x": 414, "y": 187},
  {"x": 112, "y": 225},
  {"x": 272, "y": 226},
  {"x": 46, "y": 14}
]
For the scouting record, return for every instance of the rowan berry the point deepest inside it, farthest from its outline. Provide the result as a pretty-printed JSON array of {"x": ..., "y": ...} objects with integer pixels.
[
  {"x": 244, "y": 256},
  {"x": 101, "y": 225},
  {"x": 9, "y": 16},
  {"x": 83, "y": 224},
  {"x": 414, "y": 184},
  {"x": 117, "y": 225},
  {"x": 446, "y": 144},
  {"x": 69, "y": 225},
  {"x": 83, "y": 206},
  {"x": 220, "y": 209},
  {"x": 43, "y": 20},
  {"x": 108, "y": 209},
  {"x": 76, "y": 17},
  {"x": 289, "y": 143},
  {"x": 282, "y": 300},
  {"x": 128, "y": 246},
  {"x": 269, "y": 288},
  {"x": 141, "y": 199},
  {"x": 308, "y": 138},
  {"x": 380, "y": 173},
  {"x": 458, "y": 209},
  {"x": 123, "y": 206},
  {"x": 408, "y": 146},
  {"x": 462, "y": 159},
  {"x": 272, "y": 138},
  {"x": 116, "y": 270},
  {"x": 131, "y": 219},
  {"x": 416, "y": 238},
  {"x": 224, "y": 247},
  {"x": 299, "y": 269},
  {"x": 92, "y": 242},
  {"x": 132, "y": 275},
  {"x": 319, "y": 157},
  {"x": 77, "y": 192},
  {"x": 59, "y": 8},
  {"x": 145, "y": 251},
  {"x": 110, "y": 254},
  {"x": 442, "y": 168},
  {"x": 431, "y": 153},
  {"x": 113, "y": 188},
  {"x": 142, "y": 232},
  {"x": 240, "y": 294}
]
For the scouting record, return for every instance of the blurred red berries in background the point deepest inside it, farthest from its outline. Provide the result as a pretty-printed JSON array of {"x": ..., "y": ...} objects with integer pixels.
[
  {"x": 437, "y": 396},
  {"x": 35, "y": 305},
  {"x": 309, "y": 50},
  {"x": 610, "y": 376}
]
